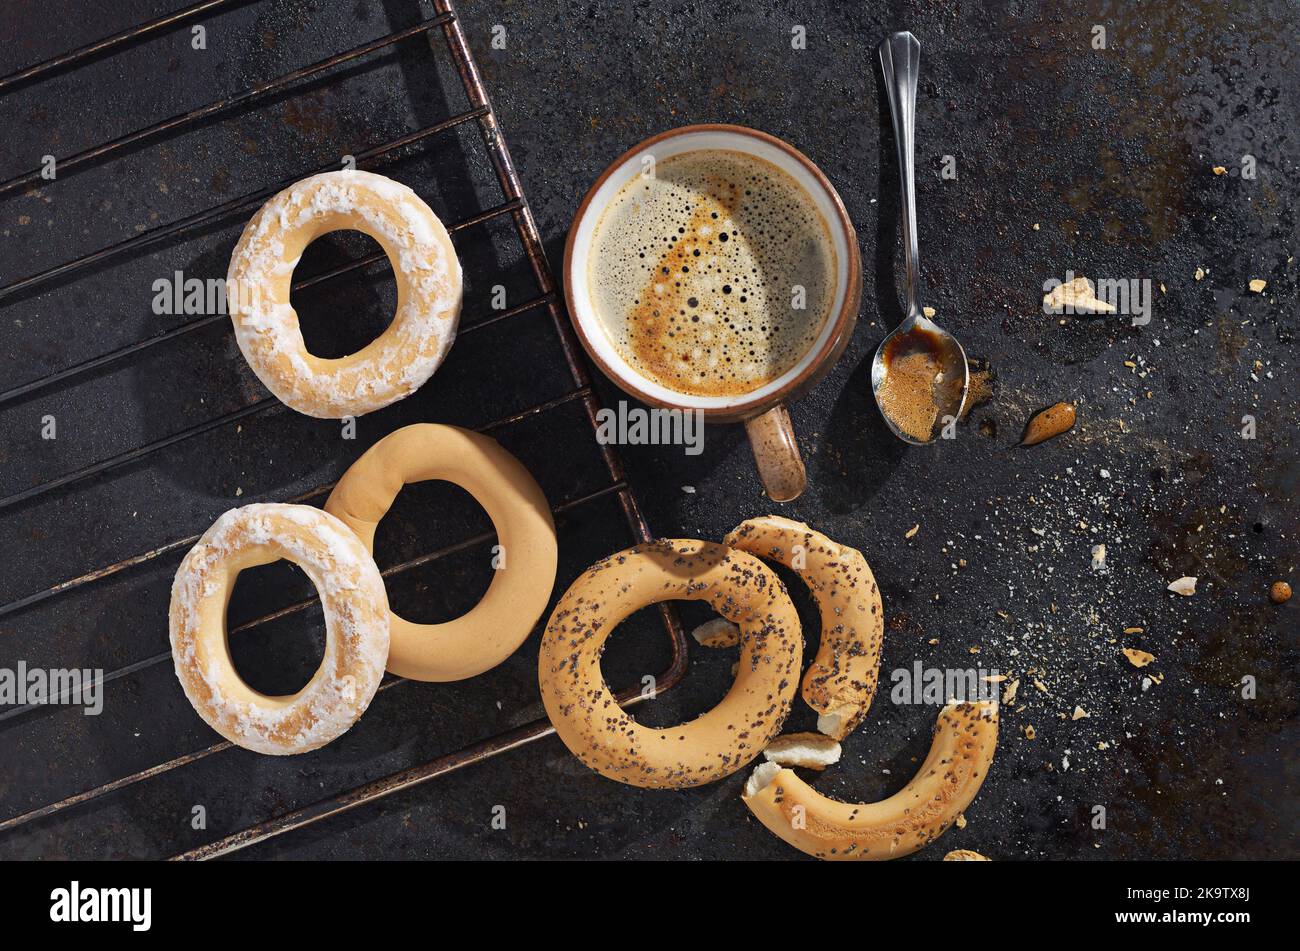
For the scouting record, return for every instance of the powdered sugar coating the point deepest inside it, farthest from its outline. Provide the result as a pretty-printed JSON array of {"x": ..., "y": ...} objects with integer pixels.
[
  {"x": 429, "y": 290},
  {"x": 356, "y": 627}
]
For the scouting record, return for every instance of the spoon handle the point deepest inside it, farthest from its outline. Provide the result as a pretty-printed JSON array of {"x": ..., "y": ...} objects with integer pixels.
[{"x": 900, "y": 59}]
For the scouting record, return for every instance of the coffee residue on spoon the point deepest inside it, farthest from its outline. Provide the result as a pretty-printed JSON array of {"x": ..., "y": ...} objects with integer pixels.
[{"x": 914, "y": 388}]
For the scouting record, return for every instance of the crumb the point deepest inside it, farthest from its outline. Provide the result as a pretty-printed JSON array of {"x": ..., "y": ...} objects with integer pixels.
[
  {"x": 1138, "y": 658},
  {"x": 1079, "y": 295},
  {"x": 1049, "y": 423},
  {"x": 718, "y": 632}
]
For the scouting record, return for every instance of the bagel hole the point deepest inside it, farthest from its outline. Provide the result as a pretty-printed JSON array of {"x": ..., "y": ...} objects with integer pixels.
[
  {"x": 277, "y": 657},
  {"x": 809, "y": 617},
  {"x": 637, "y": 648},
  {"x": 802, "y": 717},
  {"x": 342, "y": 315},
  {"x": 708, "y": 674},
  {"x": 428, "y": 517}
]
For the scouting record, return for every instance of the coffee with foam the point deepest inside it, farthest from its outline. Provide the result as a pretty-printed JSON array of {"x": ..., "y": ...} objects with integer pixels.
[{"x": 713, "y": 273}]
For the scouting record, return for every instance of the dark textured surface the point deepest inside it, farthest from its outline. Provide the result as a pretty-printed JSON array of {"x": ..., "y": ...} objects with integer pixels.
[{"x": 1109, "y": 152}]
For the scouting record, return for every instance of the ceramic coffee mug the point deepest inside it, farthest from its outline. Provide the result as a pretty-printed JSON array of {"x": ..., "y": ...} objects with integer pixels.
[{"x": 761, "y": 409}]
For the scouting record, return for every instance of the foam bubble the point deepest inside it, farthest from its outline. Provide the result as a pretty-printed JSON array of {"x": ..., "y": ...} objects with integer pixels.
[{"x": 693, "y": 272}]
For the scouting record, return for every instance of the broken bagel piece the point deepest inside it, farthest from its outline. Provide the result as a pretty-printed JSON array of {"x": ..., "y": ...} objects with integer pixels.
[
  {"x": 805, "y": 750},
  {"x": 841, "y": 681},
  {"x": 965, "y": 737}
]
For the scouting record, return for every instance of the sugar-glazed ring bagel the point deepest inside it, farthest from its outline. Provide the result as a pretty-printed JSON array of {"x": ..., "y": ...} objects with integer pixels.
[
  {"x": 841, "y": 681},
  {"x": 396, "y": 363},
  {"x": 588, "y": 718},
  {"x": 965, "y": 737},
  {"x": 356, "y": 627},
  {"x": 525, "y": 574}
]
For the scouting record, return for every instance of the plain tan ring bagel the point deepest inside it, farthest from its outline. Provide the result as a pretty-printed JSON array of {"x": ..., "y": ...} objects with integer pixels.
[
  {"x": 520, "y": 588},
  {"x": 841, "y": 681},
  {"x": 356, "y": 627},
  {"x": 393, "y": 365},
  {"x": 588, "y": 718}
]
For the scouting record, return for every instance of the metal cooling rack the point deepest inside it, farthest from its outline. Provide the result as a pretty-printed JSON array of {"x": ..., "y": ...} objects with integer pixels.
[{"x": 446, "y": 26}]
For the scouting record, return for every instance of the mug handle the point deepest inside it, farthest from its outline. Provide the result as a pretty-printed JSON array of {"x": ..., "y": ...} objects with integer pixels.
[{"x": 771, "y": 437}]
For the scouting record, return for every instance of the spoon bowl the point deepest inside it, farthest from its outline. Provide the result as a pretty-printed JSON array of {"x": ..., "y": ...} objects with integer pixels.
[{"x": 915, "y": 350}]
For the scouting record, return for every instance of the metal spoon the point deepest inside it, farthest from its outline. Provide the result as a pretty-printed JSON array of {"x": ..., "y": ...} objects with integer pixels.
[{"x": 900, "y": 59}]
